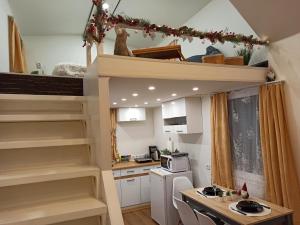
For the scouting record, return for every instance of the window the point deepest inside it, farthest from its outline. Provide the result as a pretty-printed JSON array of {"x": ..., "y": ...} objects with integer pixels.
[{"x": 243, "y": 112}]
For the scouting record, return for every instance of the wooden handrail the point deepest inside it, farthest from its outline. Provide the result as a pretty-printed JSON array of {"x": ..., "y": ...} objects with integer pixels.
[{"x": 111, "y": 199}]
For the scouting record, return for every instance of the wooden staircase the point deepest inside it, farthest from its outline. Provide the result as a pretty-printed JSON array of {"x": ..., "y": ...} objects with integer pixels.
[{"x": 47, "y": 174}]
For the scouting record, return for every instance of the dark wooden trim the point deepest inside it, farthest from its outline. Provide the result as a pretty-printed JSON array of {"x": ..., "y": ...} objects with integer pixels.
[{"x": 40, "y": 85}]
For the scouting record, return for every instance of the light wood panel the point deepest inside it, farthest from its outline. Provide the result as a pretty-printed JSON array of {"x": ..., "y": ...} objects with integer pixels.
[
  {"x": 39, "y": 117},
  {"x": 43, "y": 192},
  {"x": 18, "y": 107},
  {"x": 15, "y": 131},
  {"x": 105, "y": 126},
  {"x": 132, "y": 67},
  {"x": 43, "y": 143},
  {"x": 19, "y": 97},
  {"x": 47, "y": 174},
  {"x": 111, "y": 198},
  {"x": 53, "y": 212},
  {"x": 222, "y": 208},
  {"x": 39, "y": 158}
]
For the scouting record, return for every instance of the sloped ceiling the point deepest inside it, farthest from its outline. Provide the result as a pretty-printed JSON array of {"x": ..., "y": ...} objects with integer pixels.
[
  {"x": 68, "y": 17},
  {"x": 272, "y": 19}
]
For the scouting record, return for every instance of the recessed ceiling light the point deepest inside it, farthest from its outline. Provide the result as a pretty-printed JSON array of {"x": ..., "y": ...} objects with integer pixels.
[
  {"x": 105, "y": 6},
  {"x": 136, "y": 105},
  {"x": 151, "y": 88},
  {"x": 174, "y": 94},
  {"x": 135, "y": 94},
  {"x": 195, "y": 88},
  {"x": 172, "y": 103},
  {"x": 114, "y": 103},
  {"x": 124, "y": 99},
  {"x": 146, "y": 103},
  {"x": 158, "y": 99}
]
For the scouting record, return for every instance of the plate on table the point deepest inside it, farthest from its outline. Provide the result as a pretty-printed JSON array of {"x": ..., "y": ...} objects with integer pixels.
[
  {"x": 249, "y": 206},
  {"x": 209, "y": 192}
]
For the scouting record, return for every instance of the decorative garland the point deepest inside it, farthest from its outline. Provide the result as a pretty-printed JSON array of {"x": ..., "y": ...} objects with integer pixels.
[{"x": 103, "y": 22}]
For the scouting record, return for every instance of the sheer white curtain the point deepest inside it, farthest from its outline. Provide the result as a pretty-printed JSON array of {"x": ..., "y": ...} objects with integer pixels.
[{"x": 245, "y": 140}]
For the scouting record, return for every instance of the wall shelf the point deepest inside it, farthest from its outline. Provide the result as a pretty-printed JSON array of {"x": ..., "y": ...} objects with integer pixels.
[
  {"x": 35, "y": 175},
  {"x": 41, "y": 117},
  {"x": 43, "y": 143},
  {"x": 53, "y": 212}
]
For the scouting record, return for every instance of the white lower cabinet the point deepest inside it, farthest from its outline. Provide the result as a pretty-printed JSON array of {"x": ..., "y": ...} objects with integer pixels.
[
  {"x": 145, "y": 189},
  {"x": 118, "y": 185},
  {"x": 130, "y": 188}
]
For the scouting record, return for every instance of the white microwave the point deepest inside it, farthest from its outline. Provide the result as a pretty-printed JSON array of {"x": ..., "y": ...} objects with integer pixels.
[{"x": 177, "y": 162}]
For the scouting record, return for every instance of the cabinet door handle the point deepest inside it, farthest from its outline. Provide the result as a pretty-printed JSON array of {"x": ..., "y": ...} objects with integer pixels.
[
  {"x": 167, "y": 131},
  {"x": 133, "y": 119},
  {"x": 130, "y": 171},
  {"x": 179, "y": 131},
  {"x": 146, "y": 169},
  {"x": 131, "y": 180}
]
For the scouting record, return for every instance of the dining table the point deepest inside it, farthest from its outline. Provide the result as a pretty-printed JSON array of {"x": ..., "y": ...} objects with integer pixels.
[{"x": 220, "y": 208}]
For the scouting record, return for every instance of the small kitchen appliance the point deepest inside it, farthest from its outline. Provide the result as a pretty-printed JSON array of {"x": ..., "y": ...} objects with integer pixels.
[
  {"x": 176, "y": 162},
  {"x": 154, "y": 153}
]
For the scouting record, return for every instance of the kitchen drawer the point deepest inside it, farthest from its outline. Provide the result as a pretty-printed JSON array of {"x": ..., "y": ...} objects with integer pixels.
[
  {"x": 145, "y": 169},
  {"x": 117, "y": 173},
  {"x": 132, "y": 171},
  {"x": 131, "y": 189},
  {"x": 168, "y": 129},
  {"x": 180, "y": 129}
]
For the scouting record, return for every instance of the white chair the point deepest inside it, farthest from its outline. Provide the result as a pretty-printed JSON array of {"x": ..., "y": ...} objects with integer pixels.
[
  {"x": 189, "y": 216},
  {"x": 180, "y": 184},
  {"x": 204, "y": 219}
]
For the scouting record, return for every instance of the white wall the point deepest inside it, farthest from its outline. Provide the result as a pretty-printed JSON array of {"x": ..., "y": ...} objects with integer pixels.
[
  {"x": 197, "y": 145},
  {"x": 217, "y": 15},
  {"x": 51, "y": 50},
  {"x": 285, "y": 60},
  {"x": 5, "y": 11},
  {"x": 134, "y": 138}
]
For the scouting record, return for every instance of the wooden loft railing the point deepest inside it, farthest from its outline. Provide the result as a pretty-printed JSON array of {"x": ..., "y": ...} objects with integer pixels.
[{"x": 132, "y": 67}]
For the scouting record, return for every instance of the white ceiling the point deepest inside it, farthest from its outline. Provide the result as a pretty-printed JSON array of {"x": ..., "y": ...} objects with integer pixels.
[
  {"x": 68, "y": 17},
  {"x": 125, "y": 87},
  {"x": 272, "y": 19}
]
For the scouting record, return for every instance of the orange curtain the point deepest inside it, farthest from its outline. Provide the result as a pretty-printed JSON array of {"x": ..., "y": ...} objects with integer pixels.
[
  {"x": 113, "y": 121},
  {"x": 17, "y": 60},
  {"x": 221, "y": 152},
  {"x": 282, "y": 184}
]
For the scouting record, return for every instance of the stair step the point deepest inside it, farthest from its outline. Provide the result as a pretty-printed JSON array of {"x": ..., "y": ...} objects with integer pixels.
[
  {"x": 54, "y": 212},
  {"x": 43, "y": 143},
  {"x": 41, "y": 117},
  {"x": 21, "y": 97},
  {"x": 28, "y": 176}
]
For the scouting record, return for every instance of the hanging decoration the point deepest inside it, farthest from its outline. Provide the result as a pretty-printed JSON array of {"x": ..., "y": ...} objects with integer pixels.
[{"x": 103, "y": 22}]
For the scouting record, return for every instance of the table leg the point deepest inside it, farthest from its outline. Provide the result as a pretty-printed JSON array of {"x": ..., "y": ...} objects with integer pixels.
[{"x": 289, "y": 220}]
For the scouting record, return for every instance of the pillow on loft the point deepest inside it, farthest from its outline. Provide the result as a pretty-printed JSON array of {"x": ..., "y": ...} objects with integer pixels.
[
  {"x": 210, "y": 50},
  {"x": 69, "y": 69}
]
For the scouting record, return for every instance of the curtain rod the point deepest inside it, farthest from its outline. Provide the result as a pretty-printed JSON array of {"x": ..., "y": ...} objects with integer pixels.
[{"x": 251, "y": 86}]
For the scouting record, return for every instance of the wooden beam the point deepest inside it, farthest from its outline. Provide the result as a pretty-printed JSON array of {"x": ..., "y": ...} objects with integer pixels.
[
  {"x": 134, "y": 67},
  {"x": 88, "y": 55},
  {"x": 105, "y": 127}
]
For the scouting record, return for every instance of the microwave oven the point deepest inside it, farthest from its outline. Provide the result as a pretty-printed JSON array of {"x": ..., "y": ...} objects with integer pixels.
[{"x": 176, "y": 162}]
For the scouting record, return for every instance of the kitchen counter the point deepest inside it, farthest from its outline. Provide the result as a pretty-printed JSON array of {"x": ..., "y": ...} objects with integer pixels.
[{"x": 132, "y": 164}]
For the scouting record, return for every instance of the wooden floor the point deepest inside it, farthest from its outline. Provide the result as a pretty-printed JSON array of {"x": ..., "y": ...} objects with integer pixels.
[{"x": 139, "y": 217}]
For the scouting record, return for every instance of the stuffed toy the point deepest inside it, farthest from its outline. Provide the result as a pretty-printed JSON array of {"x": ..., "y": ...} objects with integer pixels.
[{"x": 120, "y": 44}]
